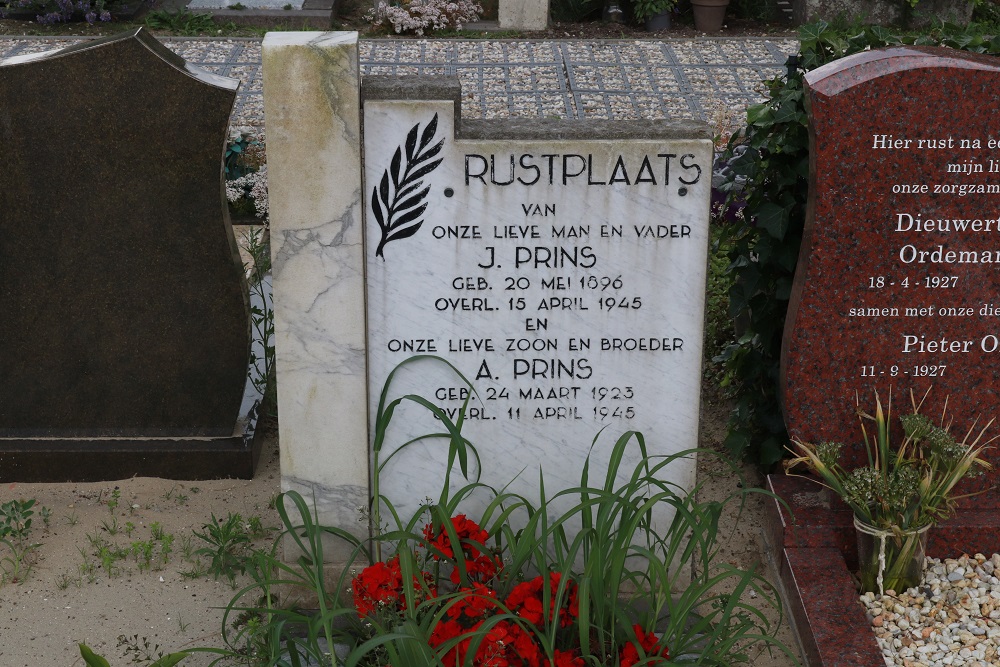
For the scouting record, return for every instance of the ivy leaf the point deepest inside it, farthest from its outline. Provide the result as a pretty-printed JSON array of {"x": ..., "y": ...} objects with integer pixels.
[
  {"x": 783, "y": 288},
  {"x": 789, "y": 112},
  {"x": 773, "y": 219},
  {"x": 813, "y": 33}
]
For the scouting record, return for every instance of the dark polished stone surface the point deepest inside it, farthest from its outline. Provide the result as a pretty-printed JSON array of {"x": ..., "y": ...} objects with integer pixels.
[
  {"x": 854, "y": 238},
  {"x": 122, "y": 292}
]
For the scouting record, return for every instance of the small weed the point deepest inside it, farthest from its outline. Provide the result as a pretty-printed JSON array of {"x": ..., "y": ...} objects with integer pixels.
[
  {"x": 287, "y": 7},
  {"x": 261, "y": 316},
  {"x": 110, "y": 527},
  {"x": 156, "y": 530},
  {"x": 109, "y": 557},
  {"x": 166, "y": 548},
  {"x": 143, "y": 554},
  {"x": 86, "y": 567},
  {"x": 139, "y": 650},
  {"x": 197, "y": 571},
  {"x": 15, "y": 519},
  {"x": 256, "y": 529},
  {"x": 182, "y": 625},
  {"x": 183, "y": 22},
  {"x": 46, "y": 515},
  {"x": 115, "y": 498},
  {"x": 187, "y": 548},
  {"x": 129, "y": 528},
  {"x": 176, "y": 495},
  {"x": 15, "y": 527},
  {"x": 227, "y": 540},
  {"x": 238, "y": 6},
  {"x": 72, "y": 519}
]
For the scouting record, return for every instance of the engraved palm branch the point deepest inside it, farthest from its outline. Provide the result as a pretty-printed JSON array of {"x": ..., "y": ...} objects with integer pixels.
[{"x": 398, "y": 201}]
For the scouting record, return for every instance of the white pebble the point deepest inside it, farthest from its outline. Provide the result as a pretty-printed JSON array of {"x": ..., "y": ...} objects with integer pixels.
[{"x": 956, "y": 627}]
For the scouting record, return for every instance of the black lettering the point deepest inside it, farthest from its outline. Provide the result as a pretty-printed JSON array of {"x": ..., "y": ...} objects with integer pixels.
[
  {"x": 529, "y": 166},
  {"x": 469, "y": 174}
]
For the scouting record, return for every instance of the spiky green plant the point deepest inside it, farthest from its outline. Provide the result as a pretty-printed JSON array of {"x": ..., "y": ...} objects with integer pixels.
[
  {"x": 909, "y": 486},
  {"x": 626, "y": 575},
  {"x": 903, "y": 489}
]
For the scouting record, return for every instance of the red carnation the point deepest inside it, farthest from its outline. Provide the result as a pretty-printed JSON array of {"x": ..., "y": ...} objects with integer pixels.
[
  {"x": 479, "y": 565},
  {"x": 380, "y": 585},
  {"x": 564, "y": 659},
  {"x": 527, "y": 602},
  {"x": 505, "y": 644},
  {"x": 465, "y": 530},
  {"x": 650, "y": 645}
]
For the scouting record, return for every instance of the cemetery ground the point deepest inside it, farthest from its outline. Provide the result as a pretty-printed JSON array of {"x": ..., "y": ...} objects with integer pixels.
[
  {"x": 133, "y": 565},
  {"x": 75, "y": 588},
  {"x": 125, "y": 563}
]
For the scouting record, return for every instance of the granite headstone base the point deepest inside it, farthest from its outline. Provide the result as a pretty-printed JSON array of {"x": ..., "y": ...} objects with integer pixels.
[
  {"x": 103, "y": 459},
  {"x": 31, "y": 460},
  {"x": 809, "y": 534},
  {"x": 48, "y": 459}
]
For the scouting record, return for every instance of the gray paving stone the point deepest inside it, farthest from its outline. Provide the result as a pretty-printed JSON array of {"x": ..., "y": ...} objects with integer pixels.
[{"x": 671, "y": 78}]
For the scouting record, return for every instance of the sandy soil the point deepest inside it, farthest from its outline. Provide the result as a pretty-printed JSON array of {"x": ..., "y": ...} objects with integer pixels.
[{"x": 62, "y": 601}]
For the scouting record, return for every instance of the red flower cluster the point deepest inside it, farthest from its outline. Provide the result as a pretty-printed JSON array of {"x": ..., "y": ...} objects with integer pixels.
[
  {"x": 479, "y": 565},
  {"x": 649, "y": 643},
  {"x": 527, "y": 602},
  {"x": 506, "y": 643},
  {"x": 380, "y": 586},
  {"x": 464, "y": 617},
  {"x": 470, "y": 615}
]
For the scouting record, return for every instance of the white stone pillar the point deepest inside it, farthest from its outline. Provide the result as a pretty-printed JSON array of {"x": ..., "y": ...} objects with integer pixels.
[{"x": 312, "y": 113}]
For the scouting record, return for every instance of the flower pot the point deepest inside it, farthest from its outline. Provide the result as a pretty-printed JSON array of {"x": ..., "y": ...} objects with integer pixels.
[
  {"x": 658, "y": 22},
  {"x": 709, "y": 14},
  {"x": 890, "y": 561}
]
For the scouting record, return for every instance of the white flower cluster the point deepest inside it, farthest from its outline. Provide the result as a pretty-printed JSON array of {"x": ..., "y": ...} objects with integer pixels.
[
  {"x": 416, "y": 16},
  {"x": 254, "y": 186}
]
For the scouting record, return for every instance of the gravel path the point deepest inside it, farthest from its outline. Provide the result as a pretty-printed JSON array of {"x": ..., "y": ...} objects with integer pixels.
[{"x": 708, "y": 79}]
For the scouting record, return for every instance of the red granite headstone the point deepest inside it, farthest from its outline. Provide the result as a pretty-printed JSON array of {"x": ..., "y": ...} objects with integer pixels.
[{"x": 898, "y": 283}]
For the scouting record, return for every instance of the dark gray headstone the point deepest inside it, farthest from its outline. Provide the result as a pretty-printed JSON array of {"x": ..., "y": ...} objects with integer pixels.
[{"x": 123, "y": 306}]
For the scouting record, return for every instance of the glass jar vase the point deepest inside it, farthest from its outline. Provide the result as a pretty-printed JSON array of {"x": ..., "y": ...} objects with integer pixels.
[{"x": 890, "y": 559}]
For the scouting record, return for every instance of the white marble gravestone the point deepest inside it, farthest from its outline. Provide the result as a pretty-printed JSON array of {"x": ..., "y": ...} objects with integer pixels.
[
  {"x": 560, "y": 270},
  {"x": 569, "y": 291}
]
